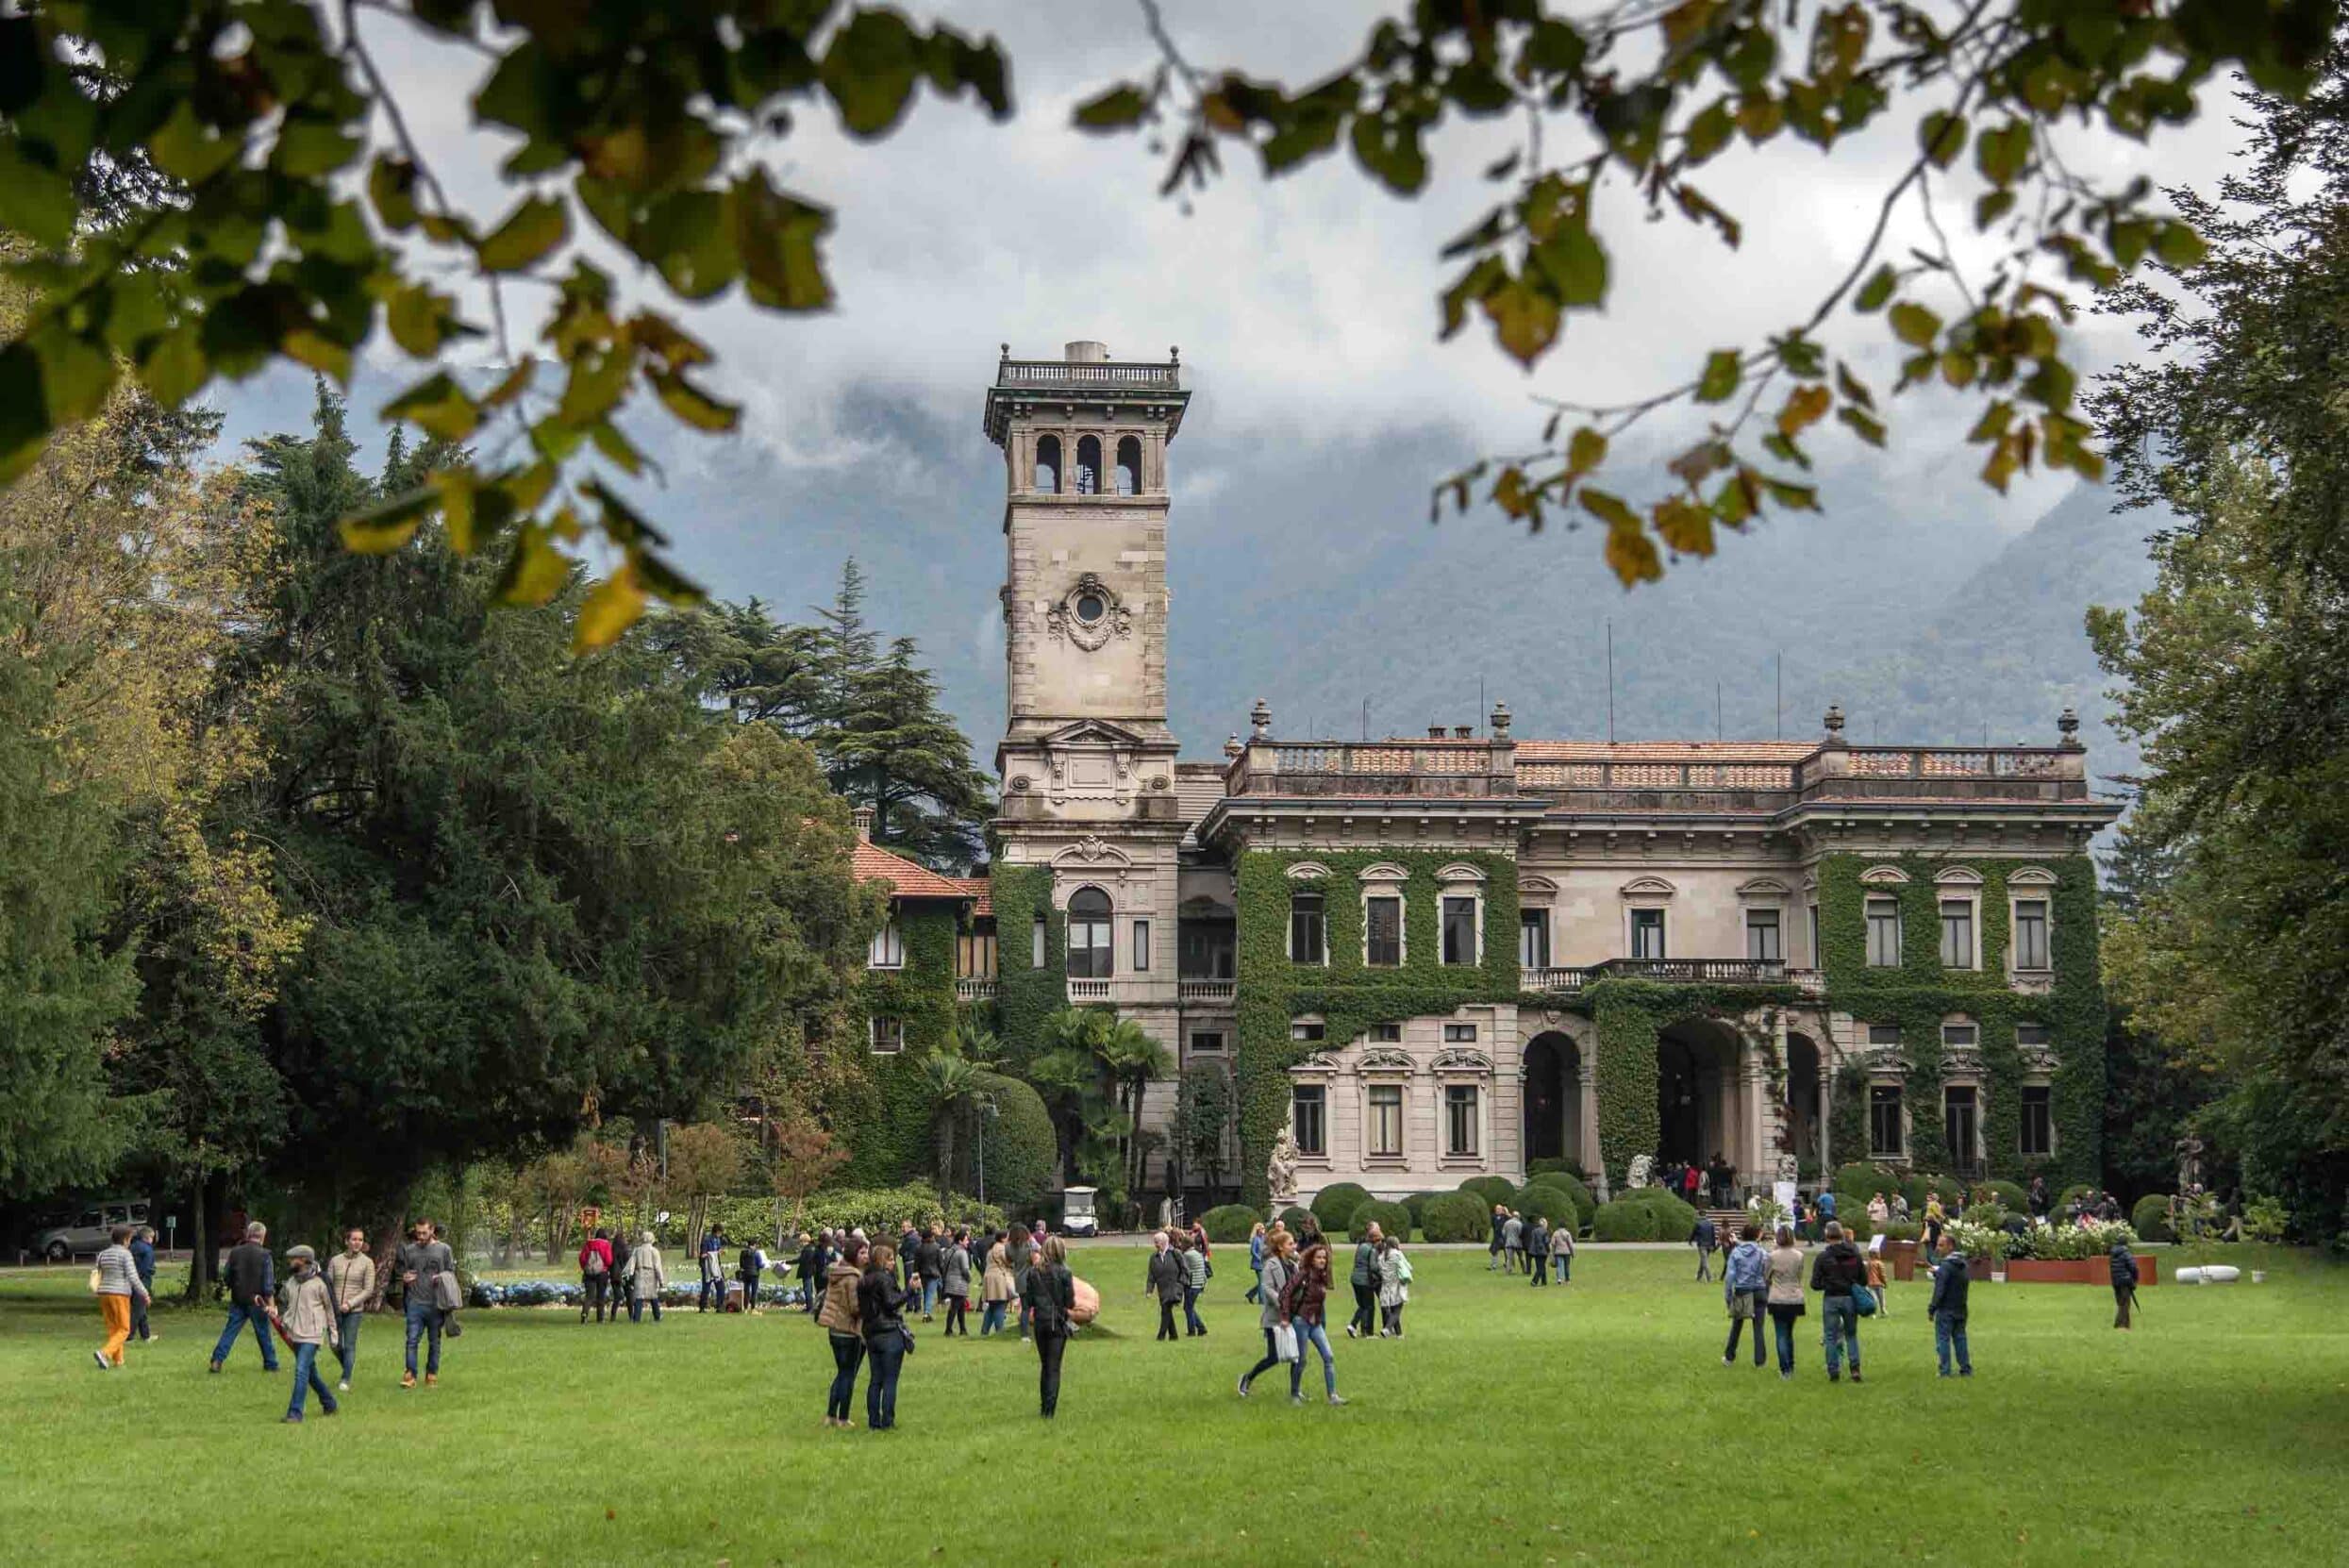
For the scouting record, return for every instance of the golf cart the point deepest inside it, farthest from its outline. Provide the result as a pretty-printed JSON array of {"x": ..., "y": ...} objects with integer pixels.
[{"x": 1076, "y": 1212}]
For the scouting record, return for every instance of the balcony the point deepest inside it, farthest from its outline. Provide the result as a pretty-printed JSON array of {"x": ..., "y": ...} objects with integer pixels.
[
  {"x": 974, "y": 990},
  {"x": 1672, "y": 972},
  {"x": 1832, "y": 772},
  {"x": 1459, "y": 768},
  {"x": 1195, "y": 993},
  {"x": 1553, "y": 979},
  {"x": 1090, "y": 991},
  {"x": 1090, "y": 375}
]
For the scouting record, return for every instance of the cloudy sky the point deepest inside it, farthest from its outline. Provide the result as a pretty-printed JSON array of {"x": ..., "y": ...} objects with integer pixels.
[{"x": 1305, "y": 309}]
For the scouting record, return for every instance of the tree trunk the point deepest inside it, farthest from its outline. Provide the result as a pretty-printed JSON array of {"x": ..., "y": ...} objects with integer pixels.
[{"x": 199, "y": 1255}]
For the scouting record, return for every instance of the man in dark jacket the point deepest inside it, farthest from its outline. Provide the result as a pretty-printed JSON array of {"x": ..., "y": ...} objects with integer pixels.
[
  {"x": 1164, "y": 1280},
  {"x": 142, "y": 1259},
  {"x": 1705, "y": 1237},
  {"x": 1538, "y": 1249},
  {"x": 710, "y": 1255},
  {"x": 251, "y": 1277},
  {"x": 1834, "y": 1274},
  {"x": 1494, "y": 1255},
  {"x": 1365, "y": 1282},
  {"x": 2123, "y": 1282},
  {"x": 1948, "y": 1308}
]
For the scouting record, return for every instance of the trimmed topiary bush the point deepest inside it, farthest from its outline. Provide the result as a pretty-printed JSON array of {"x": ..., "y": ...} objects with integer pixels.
[
  {"x": 1491, "y": 1189},
  {"x": 1296, "y": 1218},
  {"x": 1586, "y": 1202},
  {"x": 1916, "y": 1187},
  {"x": 2009, "y": 1196},
  {"x": 1455, "y": 1217},
  {"x": 1675, "y": 1219},
  {"x": 1230, "y": 1222},
  {"x": 1391, "y": 1218},
  {"x": 1023, "y": 1151},
  {"x": 1551, "y": 1165},
  {"x": 1863, "y": 1181},
  {"x": 1554, "y": 1204},
  {"x": 2149, "y": 1218},
  {"x": 1417, "y": 1204},
  {"x": 1335, "y": 1204},
  {"x": 1624, "y": 1220}
]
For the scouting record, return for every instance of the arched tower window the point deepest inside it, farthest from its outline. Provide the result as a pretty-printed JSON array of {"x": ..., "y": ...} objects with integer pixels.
[
  {"x": 1128, "y": 466},
  {"x": 1047, "y": 465},
  {"x": 1087, "y": 473},
  {"x": 1089, "y": 949}
]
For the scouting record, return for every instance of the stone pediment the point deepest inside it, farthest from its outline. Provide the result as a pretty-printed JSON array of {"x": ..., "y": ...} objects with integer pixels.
[
  {"x": 1092, "y": 732},
  {"x": 1386, "y": 1058},
  {"x": 1458, "y": 1061},
  {"x": 1092, "y": 850}
]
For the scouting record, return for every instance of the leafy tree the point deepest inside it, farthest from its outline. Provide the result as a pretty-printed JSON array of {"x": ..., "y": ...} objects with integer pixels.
[
  {"x": 951, "y": 1084},
  {"x": 643, "y": 120},
  {"x": 1207, "y": 1109},
  {"x": 2236, "y": 676},
  {"x": 803, "y": 1155},
  {"x": 705, "y": 1160}
]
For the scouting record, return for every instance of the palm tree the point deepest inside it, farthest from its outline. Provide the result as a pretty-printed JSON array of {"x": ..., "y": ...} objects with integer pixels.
[
  {"x": 1132, "y": 1059},
  {"x": 976, "y": 1043},
  {"x": 953, "y": 1085}
]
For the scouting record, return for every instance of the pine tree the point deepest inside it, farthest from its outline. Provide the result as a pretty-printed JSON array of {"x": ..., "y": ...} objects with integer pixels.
[{"x": 896, "y": 750}]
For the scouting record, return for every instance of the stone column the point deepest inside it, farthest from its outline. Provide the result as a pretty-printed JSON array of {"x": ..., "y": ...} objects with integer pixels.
[{"x": 1587, "y": 1114}]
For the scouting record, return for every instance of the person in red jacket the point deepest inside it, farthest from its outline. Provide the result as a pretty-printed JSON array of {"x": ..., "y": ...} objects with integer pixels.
[{"x": 595, "y": 1265}]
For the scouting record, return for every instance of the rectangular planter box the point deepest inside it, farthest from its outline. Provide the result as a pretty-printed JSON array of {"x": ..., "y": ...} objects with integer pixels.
[
  {"x": 1901, "y": 1257},
  {"x": 2082, "y": 1271}
]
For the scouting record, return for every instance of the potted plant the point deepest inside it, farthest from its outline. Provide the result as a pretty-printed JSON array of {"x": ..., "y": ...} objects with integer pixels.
[{"x": 2265, "y": 1220}]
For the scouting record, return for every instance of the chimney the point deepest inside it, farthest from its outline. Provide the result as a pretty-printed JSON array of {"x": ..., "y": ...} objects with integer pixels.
[
  {"x": 1463, "y": 732},
  {"x": 1435, "y": 732},
  {"x": 862, "y": 817},
  {"x": 1084, "y": 351}
]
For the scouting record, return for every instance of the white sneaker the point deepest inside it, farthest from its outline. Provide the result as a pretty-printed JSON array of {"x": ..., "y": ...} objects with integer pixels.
[{"x": 343, "y": 1387}]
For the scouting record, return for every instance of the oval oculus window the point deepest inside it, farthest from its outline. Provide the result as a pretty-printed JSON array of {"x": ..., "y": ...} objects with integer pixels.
[{"x": 1090, "y": 608}]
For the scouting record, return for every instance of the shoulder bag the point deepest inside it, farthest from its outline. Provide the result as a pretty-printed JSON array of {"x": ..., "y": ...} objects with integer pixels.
[{"x": 1285, "y": 1341}]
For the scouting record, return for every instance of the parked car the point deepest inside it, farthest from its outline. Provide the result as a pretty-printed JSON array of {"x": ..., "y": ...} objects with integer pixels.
[{"x": 88, "y": 1232}]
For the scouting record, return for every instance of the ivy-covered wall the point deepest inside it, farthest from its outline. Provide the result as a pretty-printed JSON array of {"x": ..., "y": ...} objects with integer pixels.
[
  {"x": 1026, "y": 995},
  {"x": 1630, "y": 1016},
  {"x": 890, "y": 1133},
  {"x": 1918, "y": 993},
  {"x": 1345, "y": 994}
]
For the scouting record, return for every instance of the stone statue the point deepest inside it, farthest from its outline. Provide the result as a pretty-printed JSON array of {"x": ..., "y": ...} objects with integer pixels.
[
  {"x": 1280, "y": 1172},
  {"x": 2188, "y": 1163},
  {"x": 1643, "y": 1167}
]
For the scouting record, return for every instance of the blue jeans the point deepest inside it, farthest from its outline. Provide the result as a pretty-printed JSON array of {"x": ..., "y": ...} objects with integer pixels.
[
  {"x": 240, "y": 1313},
  {"x": 1782, "y": 1325},
  {"x": 346, "y": 1330},
  {"x": 929, "y": 1295},
  {"x": 848, "y": 1355},
  {"x": 423, "y": 1318},
  {"x": 990, "y": 1319},
  {"x": 305, "y": 1378},
  {"x": 1841, "y": 1317},
  {"x": 1317, "y": 1336},
  {"x": 1949, "y": 1330},
  {"x": 1191, "y": 1321},
  {"x": 888, "y": 1354}
]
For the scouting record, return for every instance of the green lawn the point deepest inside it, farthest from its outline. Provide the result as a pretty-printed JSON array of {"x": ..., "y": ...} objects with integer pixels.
[{"x": 1591, "y": 1423}]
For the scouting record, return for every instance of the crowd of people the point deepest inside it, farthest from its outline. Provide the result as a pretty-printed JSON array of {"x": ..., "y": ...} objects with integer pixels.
[
  {"x": 1534, "y": 1247},
  {"x": 1694, "y": 1184}
]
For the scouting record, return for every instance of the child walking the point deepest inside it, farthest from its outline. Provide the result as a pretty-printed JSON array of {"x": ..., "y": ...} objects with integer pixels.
[{"x": 1877, "y": 1277}]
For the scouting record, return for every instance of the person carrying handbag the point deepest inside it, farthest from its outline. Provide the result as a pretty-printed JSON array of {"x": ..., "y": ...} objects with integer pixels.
[
  {"x": 307, "y": 1323},
  {"x": 424, "y": 1263},
  {"x": 1280, "y": 1337}
]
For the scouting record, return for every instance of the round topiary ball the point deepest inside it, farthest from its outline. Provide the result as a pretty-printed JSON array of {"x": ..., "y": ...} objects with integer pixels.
[
  {"x": 1417, "y": 1204},
  {"x": 1335, "y": 1204},
  {"x": 2149, "y": 1218},
  {"x": 1230, "y": 1222},
  {"x": 1455, "y": 1217},
  {"x": 1391, "y": 1219},
  {"x": 1492, "y": 1188},
  {"x": 1586, "y": 1202},
  {"x": 1296, "y": 1219},
  {"x": 1554, "y": 1204},
  {"x": 1675, "y": 1219},
  {"x": 1863, "y": 1181},
  {"x": 1624, "y": 1220}
]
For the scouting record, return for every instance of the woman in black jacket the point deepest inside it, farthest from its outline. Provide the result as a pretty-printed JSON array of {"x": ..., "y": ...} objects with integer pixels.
[
  {"x": 879, "y": 1314},
  {"x": 1306, "y": 1302},
  {"x": 1048, "y": 1296}
]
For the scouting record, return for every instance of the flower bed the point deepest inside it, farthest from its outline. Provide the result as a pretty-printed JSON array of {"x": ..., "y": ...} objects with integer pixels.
[{"x": 2075, "y": 1270}]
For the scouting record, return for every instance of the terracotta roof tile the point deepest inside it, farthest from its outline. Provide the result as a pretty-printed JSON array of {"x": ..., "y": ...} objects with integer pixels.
[
  {"x": 980, "y": 891},
  {"x": 1664, "y": 751},
  {"x": 871, "y": 863}
]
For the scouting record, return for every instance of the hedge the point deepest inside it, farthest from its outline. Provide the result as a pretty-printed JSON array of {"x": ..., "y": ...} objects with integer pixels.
[
  {"x": 1553, "y": 1166},
  {"x": 1553, "y": 1204},
  {"x": 1916, "y": 1187},
  {"x": 1023, "y": 1151},
  {"x": 1335, "y": 1204},
  {"x": 2149, "y": 1218},
  {"x": 1455, "y": 1217},
  {"x": 1417, "y": 1204},
  {"x": 1624, "y": 1220},
  {"x": 1585, "y": 1203},
  {"x": 1391, "y": 1219},
  {"x": 1296, "y": 1218},
  {"x": 1230, "y": 1222},
  {"x": 1675, "y": 1219},
  {"x": 2006, "y": 1195},
  {"x": 1864, "y": 1181},
  {"x": 1492, "y": 1188}
]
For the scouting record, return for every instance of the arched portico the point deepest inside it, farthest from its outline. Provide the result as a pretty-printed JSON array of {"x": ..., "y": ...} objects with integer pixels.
[
  {"x": 1699, "y": 1065},
  {"x": 1552, "y": 1099}
]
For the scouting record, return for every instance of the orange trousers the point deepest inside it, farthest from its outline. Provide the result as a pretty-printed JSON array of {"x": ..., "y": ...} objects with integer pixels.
[{"x": 116, "y": 1311}]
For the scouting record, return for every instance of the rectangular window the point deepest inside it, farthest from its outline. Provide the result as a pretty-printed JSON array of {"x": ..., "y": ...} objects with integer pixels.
[
  {"x": 888, "y": 948},
  {"x": 1459, "y": 930},
  {"x": 2039, "y": 1120},
  {"x": 2031, "y": 933},
  {"x": 889, "y": 1036},
  {"x": 1305, "y": 929},
  {"x": 1459, "y": 1118},
  {"x": 1533, "y": 939},
  {"x": 1884, "y": 1131},
  {"x": 1306, "y": 1029},
  {"x": 1761, "y": 937},
  {"x": 1959, "y": 1035},
  {"x": 1387, "y": 1034},
  {"x": 1142, "y": 947},
  {"x": 1207, "y": 1042},
  {"x": 1386, "y": 1121},
  {"x": 1459, "y": 1034},
  {"x": 1206, "y": 952},
  {"x": 1959, "y": 1118},
  {"x": 1647, "y": 933},
  {"x": 1306, "y": 1110},
  {"x": 2027, "y": 1033},
  {"x": 1036, "y": 944},
  {"x": 1382, "y": 933},
  {"x": 1883, "y": 933},
  {"x": 975, "y": 956},
  {"x": 1958, "y": 933},
  {"x": 1813, "y": 961}
]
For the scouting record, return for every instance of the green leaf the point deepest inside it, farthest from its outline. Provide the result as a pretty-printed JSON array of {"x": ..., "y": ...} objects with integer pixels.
[
  {"x": 533, "y": 229},
  {"x": 439, "y": 406},
  {"x": 535, "y": 569},
  {"x": 776, "y": 237},
  {"x": 385, "y": 527},
  {"x": 610, "y": 609},
  {"x": 173, "y": 368},
  {"x": 1525, "y": 320},
  {"x": 308, "y": 148},
  {"x": 2179, "y": 246},
  {"x": 1913, "y": 325},
  {"x": 1942, "y": 136},
  {"x": 1472, "y": 285},
  {"x": 75, "y": 375},
  {"x": 1585, "y": 450},
  {"x": 1610, "y": 509},
  {"x": 187, "y": 149},
  {"x": 1573, "y": 261},
  {"x": 24, "y": 411},
  {"x": 392, "y": 185},
  {"x": 693, "y": 406},
  {"x": 36, "y": 201},
  {"x": 2002, "y": 154},
  {"x": 870, "y": 70},
  {"x": 1866, "y": 425},
  {"x": 1723, "y": 369},
  {"x": 1120, "y": 107}
]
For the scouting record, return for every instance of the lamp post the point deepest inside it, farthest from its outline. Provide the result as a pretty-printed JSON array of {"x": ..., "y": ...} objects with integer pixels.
[{"x": 987, "y": 1112}]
